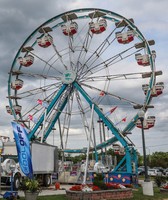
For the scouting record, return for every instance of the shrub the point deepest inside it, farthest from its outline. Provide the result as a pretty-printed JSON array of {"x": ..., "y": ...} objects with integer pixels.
[
  {"x": 31, "y": 185},
  {"x": 98, "y": 181},
  {"x": 160, "y": 180}
]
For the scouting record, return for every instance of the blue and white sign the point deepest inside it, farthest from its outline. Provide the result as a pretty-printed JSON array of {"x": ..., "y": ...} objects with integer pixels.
[
  {"x": 1, "y": 146},
  {"x": 23, "y": 149}
]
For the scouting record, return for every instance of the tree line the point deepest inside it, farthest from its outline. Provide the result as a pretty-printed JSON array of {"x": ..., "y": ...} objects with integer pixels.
[{"x": 156, "y": 159}]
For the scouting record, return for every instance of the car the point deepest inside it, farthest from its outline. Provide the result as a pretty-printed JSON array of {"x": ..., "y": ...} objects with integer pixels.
[
  {"x": 159, "y": 168},
  {"x": 165, "y": 172},
  {"x": 141, "y": 171},
  {"x": 154, "y": 172}
]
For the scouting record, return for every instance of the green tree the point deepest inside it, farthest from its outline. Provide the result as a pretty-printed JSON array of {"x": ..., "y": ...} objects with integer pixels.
[{"x": 159, "y": 159}]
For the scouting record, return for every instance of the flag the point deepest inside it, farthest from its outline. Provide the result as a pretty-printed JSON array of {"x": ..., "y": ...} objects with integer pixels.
[
  {"x": 124, "y": 119},
  {"x": 102, "y": 93},
  {"x": 23, "y": 149},
  {"x": 43, "y": 103},
  {"x": 110, "y": 111},
  {"x": 39, "y": 101},
  {"x": 32, "y": 118}
]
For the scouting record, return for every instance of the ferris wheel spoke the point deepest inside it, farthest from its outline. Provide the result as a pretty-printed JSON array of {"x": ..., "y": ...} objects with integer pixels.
[
  {"x": 35, "y": 91},
  {"x": 100, "y": 49},
  {"x": 59, "y": 56},
  {"x": 110, "y": 77},
  {"x": 71, "y": 52},
  {"x": 110, "y": 94},
  {"x": 37, "y": 76},
  {"x": 108, "y": 62},
  {"x": 84, "y": 50},
  {"x": 67, "y": 119},
  {"x": 82, "y": 113},
  {"x": 83, "y": 117},
  {"x": 35, "y": 108},
  {"x": 46, "y": 62}
]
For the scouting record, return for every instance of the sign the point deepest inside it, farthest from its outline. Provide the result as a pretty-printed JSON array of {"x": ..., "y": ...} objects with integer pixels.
[
  {"x": 1, "y": 146},
  {"x": 68, "y": 77},
  {"x": 23, "y": 149}
]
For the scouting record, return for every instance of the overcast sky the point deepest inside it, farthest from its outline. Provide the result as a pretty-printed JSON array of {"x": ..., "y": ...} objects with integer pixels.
[{"x": 18, "y": 19}]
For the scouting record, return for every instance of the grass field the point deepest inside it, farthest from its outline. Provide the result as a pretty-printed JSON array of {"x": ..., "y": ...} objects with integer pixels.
[
  {"x": 157, "y": 195},
  {"x": 137, "y": 196}
]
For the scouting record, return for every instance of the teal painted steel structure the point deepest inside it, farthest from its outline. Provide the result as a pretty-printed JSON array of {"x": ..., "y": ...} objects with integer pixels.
[{"x": 32, "y": 133}]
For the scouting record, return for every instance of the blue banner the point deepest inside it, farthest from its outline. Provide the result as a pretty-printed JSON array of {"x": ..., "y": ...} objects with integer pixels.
[{"x": 23, "y": 149}]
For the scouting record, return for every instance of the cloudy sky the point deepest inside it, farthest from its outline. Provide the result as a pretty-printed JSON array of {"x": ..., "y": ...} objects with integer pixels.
[{"x": 19, "y": 18}]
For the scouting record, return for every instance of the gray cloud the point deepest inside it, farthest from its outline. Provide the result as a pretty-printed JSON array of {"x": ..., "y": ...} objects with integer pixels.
[{"x": 19, "y": 18}]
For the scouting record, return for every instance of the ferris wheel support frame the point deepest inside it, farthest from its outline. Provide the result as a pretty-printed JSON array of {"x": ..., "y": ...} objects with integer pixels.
[
  {"x": 118, "y": 137},
  {"x": 109, "y": 124}
]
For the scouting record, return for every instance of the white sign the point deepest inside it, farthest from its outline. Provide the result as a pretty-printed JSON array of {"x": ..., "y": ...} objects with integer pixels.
[{"x": 68, "y": 77}]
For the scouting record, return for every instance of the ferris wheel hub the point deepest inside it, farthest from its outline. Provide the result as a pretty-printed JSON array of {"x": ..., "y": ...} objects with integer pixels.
[{"x": 68, "y": 77}]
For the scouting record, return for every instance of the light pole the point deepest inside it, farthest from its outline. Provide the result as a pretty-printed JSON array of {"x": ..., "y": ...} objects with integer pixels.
[
  {"x": 141, "y": 115},
  {"x": 147, "y": 148},
  {"x": 1, "y": 150}
]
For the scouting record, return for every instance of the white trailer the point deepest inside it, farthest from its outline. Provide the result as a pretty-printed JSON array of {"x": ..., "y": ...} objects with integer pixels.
[{"x": 44, "y": 161}]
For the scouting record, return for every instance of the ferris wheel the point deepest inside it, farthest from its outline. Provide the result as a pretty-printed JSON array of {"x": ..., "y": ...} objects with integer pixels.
[{"x": 80, "y": 68}]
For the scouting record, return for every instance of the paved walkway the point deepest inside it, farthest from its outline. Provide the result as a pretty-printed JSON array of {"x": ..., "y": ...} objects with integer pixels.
[{"x": 49, "y": 191}]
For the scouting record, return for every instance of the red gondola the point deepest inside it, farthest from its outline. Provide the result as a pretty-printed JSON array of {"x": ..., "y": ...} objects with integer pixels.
[
  {"x": 156, "y": 91},
  {"x": 69, "y": 29},
  {"x": 142, "y": 59},
  {"x": 17, "y": 84},
  {"x": 45, "y": 41},
  {"x": 98, "y": 27},
  {"x": 17, "y": 109},
  {"x": 148, "y": 123},
  {"x": 126, "y": 37},
  {"x": 26, "y": 61}
]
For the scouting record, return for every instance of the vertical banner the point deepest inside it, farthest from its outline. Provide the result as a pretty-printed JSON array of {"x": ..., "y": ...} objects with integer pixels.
[{"x": 23, "y": 149}]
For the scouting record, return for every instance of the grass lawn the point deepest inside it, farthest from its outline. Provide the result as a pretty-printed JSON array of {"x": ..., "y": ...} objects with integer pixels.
[
  {"x": 137, "y": 196},
  {"x": 157, "y": 195},
  {"x": 53, "y": 197}
]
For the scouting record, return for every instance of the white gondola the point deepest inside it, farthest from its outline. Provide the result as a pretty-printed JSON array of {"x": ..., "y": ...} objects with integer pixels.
[
  {"x": 156, "y": 91},
  {"x": 26, "y": 61},
  {"x": 142, "y": 60},
  {"x": 17, "y": 84},
  {"x": 126, "y": 37},
  {"x": 45, "y": 41},
  {"x": 70, "y": 30},
  {"x": 98, "y": 27},
  {"x": 8, "y": 109},
  {"x": 147, "y": 123},
  {"x": 17, "y": 109}
]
